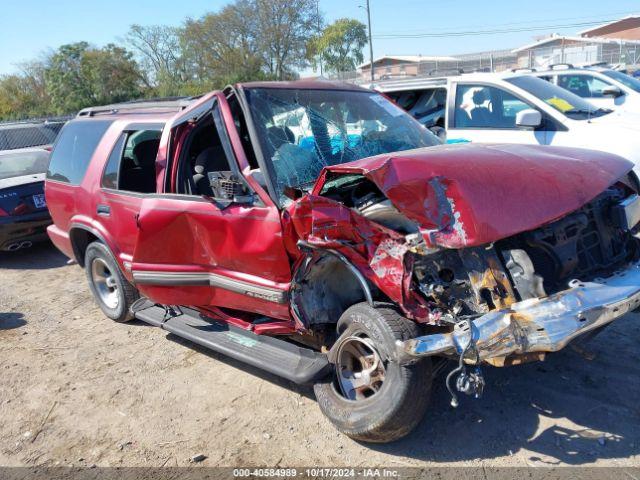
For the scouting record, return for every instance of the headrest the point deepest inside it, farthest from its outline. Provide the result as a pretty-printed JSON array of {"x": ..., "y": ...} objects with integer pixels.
[
  {"x": 199, "y": 169},
  {"x": 479, "y": 97}
]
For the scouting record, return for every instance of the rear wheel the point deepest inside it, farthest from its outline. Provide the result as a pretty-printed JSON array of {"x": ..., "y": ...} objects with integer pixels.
[
  {"x": 371, "y": 397},
  {"x": 112, "y": 291}
]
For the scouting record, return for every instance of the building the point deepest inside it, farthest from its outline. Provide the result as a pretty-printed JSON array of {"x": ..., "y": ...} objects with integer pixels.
[
  {"x": 393, "y": 66},
  {"x": 627, "y": 28}
]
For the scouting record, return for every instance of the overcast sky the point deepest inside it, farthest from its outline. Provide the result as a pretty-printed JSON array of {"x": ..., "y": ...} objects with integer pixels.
[{"x": 29, "y": 27}]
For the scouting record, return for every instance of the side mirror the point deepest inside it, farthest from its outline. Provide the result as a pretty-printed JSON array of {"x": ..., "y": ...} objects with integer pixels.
[
  {"x": 528, "y": 118},
  {"x": 612, "y": 91},
  {"x": 228, "y": 188}
]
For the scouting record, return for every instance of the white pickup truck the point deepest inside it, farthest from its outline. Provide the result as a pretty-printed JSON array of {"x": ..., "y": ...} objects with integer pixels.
[{"x": 514, "y": 108}]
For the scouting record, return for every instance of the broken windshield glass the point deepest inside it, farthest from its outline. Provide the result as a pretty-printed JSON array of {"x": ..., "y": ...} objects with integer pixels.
[{"x": 303, "y": 131}]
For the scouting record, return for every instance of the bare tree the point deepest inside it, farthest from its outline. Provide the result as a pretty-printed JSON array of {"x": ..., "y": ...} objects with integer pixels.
[{"x": 159, "y": 52}]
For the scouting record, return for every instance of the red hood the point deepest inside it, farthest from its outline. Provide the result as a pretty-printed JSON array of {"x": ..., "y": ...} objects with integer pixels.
[{"x": 468, "y": 195}]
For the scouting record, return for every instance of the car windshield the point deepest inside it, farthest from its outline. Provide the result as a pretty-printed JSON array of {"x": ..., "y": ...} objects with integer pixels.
[
  {"x": 303, "y": 130},
  {"x": 623, "y": 78},
  {"x": 17, "y": 164},
  {"x": 565, "y": 102}
]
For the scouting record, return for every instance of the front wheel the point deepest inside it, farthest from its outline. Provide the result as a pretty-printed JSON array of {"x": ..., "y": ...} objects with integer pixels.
[
  {"x": 112, "y": 291},
  {"x": 371, "y": 397}
]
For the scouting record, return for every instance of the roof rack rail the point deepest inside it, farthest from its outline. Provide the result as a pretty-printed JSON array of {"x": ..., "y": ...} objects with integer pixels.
[
  {"x": 137, "y": 106},
  {"x": 445, "y": 72},
  {"x": 561, "y": 66},
  {"x": 523, "y": 70}
]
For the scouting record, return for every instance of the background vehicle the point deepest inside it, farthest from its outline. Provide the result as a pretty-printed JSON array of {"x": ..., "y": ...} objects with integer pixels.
[
  {"x": 520, "y": 108},
  {"x": 23, "y": 209},
  {"x": 600, "y": 85},
  {"x": 347, "y": 254}
]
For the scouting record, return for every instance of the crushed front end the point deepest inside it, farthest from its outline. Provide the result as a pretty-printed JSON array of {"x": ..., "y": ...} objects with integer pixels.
[{"x": 534, "y": 292}]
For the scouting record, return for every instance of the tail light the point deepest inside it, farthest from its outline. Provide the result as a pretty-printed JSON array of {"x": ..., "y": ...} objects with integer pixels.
[{"x": 3, "y": 213}]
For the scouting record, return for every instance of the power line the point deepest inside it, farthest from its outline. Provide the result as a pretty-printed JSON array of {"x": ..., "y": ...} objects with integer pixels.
[
  {"x": 527, "y": 22},
  {"x": 490, "y": 32}
]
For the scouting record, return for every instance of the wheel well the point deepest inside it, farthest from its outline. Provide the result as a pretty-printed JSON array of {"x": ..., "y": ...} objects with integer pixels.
[
  {"x": 325, "y": 288},
  {"x": 80, "y": 240}
]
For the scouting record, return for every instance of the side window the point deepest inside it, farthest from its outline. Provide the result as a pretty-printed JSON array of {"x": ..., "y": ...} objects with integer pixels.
[
  {"x": 482, "y": 106},
  {"x": 585, "y": 86},
  {"x": 205, "y": 153},
  {"x": 73, "y": 150},
  {"x": 132, "y": 164}
]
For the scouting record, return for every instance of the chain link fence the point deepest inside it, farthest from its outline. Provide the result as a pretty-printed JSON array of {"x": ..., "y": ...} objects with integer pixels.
[{"x": 560, "y": 50}]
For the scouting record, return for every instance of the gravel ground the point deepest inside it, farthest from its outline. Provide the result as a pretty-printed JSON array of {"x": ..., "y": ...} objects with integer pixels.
[{"x": 77, "y": 389}]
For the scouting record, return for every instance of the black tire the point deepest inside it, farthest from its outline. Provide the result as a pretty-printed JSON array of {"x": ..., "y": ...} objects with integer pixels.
[
  {"x": 400, "y": 403},
  {"x": 122, "y": 293}
]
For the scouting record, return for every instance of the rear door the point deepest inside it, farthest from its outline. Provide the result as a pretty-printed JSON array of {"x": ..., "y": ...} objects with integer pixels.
[
  {"x": 192, "y": 249},
  {"x": 485, "y": 113}
]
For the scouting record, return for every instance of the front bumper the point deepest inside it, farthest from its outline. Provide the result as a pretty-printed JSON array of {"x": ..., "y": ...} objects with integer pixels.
[{"x": 537, "y": 325}]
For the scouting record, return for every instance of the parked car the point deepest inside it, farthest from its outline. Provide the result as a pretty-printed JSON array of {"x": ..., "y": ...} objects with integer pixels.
[
  {"x": 28, "y": 134},
  {"x": 23, "y": 209},
  {"x": 600, "y": 85},
  {"x": 351, "y": 254},
  {"x": 519, "y": 108}
]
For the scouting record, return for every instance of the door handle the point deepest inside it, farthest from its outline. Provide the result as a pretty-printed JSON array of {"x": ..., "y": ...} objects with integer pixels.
[{"x": 104, "y": 210}]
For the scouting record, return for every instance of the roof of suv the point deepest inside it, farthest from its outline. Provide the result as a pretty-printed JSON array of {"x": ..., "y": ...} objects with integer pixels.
[
  {"x": 148, "y": 106},
  {"x": 305, "y": 85}
]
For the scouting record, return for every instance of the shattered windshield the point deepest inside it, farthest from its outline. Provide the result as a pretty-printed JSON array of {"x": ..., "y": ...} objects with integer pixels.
[{"x": 302, "y": 131}]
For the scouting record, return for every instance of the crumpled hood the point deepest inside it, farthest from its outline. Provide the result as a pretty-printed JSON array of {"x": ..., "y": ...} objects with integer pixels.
[{"x": 469, "y": 195}]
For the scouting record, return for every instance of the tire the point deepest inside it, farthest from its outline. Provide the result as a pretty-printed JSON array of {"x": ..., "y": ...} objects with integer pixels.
[
  {"x": 399, "y": 404},
  {"x": 113, "y": 293}
]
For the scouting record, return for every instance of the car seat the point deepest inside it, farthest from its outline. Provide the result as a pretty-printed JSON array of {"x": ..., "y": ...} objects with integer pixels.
[
  {"x": 480, "y": 115},
  {"x": 212, "y": 159},
  {"x": 139, "y": 172}
]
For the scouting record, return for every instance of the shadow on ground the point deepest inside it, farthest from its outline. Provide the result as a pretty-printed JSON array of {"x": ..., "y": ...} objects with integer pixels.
[
  {"x": 40, "y": 256},
  {"x": 11, "y": 321},
  {"x": 522, "y": 405}
]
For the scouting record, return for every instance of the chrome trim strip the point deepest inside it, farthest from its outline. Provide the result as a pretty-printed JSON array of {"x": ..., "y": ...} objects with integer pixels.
[{"x": 210, "y": 280}]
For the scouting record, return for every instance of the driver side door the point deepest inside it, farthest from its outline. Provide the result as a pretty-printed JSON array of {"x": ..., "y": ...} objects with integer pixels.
[{"x": 194, "y": 250}]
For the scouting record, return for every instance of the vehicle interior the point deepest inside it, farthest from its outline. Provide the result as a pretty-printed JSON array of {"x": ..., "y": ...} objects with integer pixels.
[
  {"x": 427, "y": 106},
  {"x": 138, "y": 166}
]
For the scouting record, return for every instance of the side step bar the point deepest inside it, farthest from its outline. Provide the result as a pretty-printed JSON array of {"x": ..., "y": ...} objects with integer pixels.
[{"x": 297, "y": 364}]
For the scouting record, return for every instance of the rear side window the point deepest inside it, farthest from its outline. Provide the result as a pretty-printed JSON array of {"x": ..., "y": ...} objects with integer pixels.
[
  {"x": 74, "y": 149},
  {"x": 132, "y": 164}
]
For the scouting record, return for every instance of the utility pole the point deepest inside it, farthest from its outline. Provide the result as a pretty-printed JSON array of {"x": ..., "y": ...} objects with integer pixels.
[
  {"x": 370, "y": 41},
  {"x": 319, "y": 31}
]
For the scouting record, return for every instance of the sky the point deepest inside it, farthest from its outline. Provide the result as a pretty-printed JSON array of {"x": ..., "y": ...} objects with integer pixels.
[{"x": 30, "y": 27}]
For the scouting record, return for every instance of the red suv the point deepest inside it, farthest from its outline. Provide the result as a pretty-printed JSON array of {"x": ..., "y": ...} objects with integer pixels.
[{"x": 318, "y": 232}]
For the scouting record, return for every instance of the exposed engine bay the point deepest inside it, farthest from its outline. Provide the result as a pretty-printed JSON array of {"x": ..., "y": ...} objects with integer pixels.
[{"x": 458, "y": 283}]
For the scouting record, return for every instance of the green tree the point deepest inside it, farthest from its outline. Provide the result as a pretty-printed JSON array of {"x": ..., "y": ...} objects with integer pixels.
[
  {"x": 80, "y": 76},
  {"x": 339, "y": 46},
  {"x": 223, "y": 47},
  {"x": 284, "y": 28}
]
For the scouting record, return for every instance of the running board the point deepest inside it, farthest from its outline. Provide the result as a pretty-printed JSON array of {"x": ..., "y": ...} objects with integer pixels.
[{"x": 297, "y": 364}]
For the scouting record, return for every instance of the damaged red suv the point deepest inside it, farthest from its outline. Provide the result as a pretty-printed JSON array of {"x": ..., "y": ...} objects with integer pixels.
[{"x": 316, "y": 231}]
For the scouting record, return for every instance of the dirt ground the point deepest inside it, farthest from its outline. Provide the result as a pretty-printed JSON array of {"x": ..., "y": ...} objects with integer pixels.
[{"x": 77, "y": 389}]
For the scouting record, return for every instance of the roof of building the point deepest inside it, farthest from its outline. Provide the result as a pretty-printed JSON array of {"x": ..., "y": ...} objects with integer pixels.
[
  {"x": 620, "y": 20},
  {"x": 410, "y": 59},
  {"x": 555, "y": 37}
]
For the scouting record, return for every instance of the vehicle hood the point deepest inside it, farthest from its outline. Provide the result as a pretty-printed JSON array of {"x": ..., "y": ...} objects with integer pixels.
[
  {"x": 472, "y": 194},
  {"x": 618, "y": 119}
]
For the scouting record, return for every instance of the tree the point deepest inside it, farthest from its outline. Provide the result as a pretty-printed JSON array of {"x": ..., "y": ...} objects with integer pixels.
[
  {"x": 80, "y": 76},
  {"x": 284, "y": 28},
  {"x": 223, "y": 47},
  {"x": 24, "y": 94},
  {"x": 340, "y": 45},
  {"x": 159, "y": 51}
]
